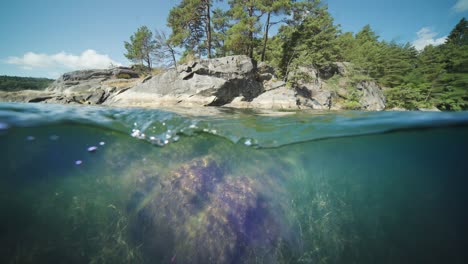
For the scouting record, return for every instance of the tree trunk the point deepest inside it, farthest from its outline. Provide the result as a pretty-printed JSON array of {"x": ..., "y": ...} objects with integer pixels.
[
  {"x": 173, "y": 58},
  {"x": 265, "y": 39},
  {"x": 148, "y": 61},
  {"x": 251, "y": 33},
  {"x": 208, "y": 27}
]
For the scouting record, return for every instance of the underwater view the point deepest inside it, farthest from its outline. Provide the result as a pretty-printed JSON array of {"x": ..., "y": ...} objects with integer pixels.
[{"x": 110, "y": 185}]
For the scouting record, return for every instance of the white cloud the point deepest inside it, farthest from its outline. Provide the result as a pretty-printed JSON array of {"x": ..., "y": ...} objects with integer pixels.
[
  {"x": 427, "y": 37},
  {"x": 63, "y": 61},
  {"x": 461, "y": 6}
]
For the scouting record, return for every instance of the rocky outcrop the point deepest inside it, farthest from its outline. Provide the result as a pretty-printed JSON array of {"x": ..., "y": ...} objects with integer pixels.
[
  {"x": 80, "y": 87},
  {"x": 372, "y": 97},
  {"x": 89, "y": 80},
  {"x": 277, "y": 96},
  {"x": 213, "y": 82},
  {"x": 27, "y": 96},
  {"x": 234, "y": 81}
]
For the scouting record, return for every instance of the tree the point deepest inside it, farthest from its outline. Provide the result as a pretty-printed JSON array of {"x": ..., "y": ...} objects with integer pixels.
[
  {"x": 272, "y": 7},
  {"x": 165, "y": 50},
  {"x": 190, "y": 22},
  {"x": 221, "y": 24},
  {"x": 141, "y": 47},
  {"x": 366, "y": 54},
  {"x": 310, "y": 39},
  {"x": 459, "y": 35},
  {"x": 397, "y": 61},
  {"x": 241, "y": 36}
]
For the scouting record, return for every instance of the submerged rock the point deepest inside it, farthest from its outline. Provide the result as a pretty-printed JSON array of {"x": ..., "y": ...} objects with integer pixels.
[{"x": 210, "y": 217}]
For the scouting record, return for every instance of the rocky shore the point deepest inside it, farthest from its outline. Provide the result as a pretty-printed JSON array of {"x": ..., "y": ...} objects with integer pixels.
[{"x": 234, "y": 81}]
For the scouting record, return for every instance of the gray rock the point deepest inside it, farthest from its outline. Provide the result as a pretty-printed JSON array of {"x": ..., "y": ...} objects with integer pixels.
[
  {"x": 279, "y": 98},
  {"x": 89, "y": 80},
  {"x": 265, "y": 72},
  {"x": 212, "y": 82},
  {"x": 342, "y": 68},
  {"x": 233, "y": 81},
  {"x": 322, "y": 100},
  {"x": 311, "y": 92},
  {"x": 372, "y": 97},
  {"x": 31, "y": 96},
  {"x": 273, "y": 84}
]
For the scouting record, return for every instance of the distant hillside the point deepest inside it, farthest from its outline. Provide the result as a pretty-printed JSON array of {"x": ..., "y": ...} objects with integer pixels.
[{"x": 13, "y": 83}]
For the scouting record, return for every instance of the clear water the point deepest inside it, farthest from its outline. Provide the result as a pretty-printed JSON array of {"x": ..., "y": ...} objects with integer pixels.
[{"x": 231, "y": 186}]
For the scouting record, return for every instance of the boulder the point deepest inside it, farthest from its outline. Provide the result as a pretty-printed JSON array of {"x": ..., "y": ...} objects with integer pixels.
[
  {"x": 280, "y": 98},
  {"x": 208, "y": 215}
]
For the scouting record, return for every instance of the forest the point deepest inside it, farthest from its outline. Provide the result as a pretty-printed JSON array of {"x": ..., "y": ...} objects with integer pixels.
[
  {"x": 287, "y": 34},
  {"x": 13, "y": 83}
]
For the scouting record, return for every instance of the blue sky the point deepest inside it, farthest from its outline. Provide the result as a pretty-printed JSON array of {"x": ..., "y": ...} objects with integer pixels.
[{"x": 49, "y": 37}]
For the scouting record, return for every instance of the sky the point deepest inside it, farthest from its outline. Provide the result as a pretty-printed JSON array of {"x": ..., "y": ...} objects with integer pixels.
[{"x": 50, "y": 37}]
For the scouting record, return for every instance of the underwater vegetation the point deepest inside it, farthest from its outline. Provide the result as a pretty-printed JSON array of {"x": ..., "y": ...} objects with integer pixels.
[{"x": 83, "y": 193}]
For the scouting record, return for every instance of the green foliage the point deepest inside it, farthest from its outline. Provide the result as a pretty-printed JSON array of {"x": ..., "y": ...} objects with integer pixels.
[
  {"x": 242, "y": 34},
  {"x": 313, "y": 41},
  {"x": 351, "y": 105},
  {"x": 13, "y": 83},
  {"x": 307, "y": 36},
  {"x": 409, "y": 96},
  {"x": 440, "y": 79},
  {"x": 459, "y": 35},
  {"x": 187, "y": 57},
  {"x": 190, "y": 22},
  {"x": 141, "y": 47},
  {"x": 434, "y": 77},
  {"x": 123, "y": 76},
  {"x": 221, "y": 24}
]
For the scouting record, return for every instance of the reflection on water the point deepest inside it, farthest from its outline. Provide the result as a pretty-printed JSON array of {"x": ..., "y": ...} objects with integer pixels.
[{"x": 73, "y": 193}]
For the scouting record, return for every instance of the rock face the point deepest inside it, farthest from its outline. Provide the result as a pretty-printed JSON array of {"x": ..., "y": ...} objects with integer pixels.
[
  {"x": 372, "y": 96},
  {"x": 213, "y": 82},
  {"x": 310, "y": 91},
  {"x": 89, "y": 80},
  {"x": 81, "y": 87},
  {"x": 234, "y": 81}
]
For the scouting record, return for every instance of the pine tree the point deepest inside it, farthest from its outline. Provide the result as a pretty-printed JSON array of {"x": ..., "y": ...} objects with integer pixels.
[
  {"x": 459, "y": 35},
  {"x": 397, "y": 61},
  {"x": 366, "y": 54},
  {"x": 221, "y": 24},
  {"x": 311, "y": 39},
  {"x": 142, "y": 47},
  {"x": 190, "y": 22},
  {"x": 241, "y": 36},
  {"x": 273, "y": 7}
]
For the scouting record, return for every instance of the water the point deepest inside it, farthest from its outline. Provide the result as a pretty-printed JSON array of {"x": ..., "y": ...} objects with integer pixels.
[{"x": 100, "y": 185}]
